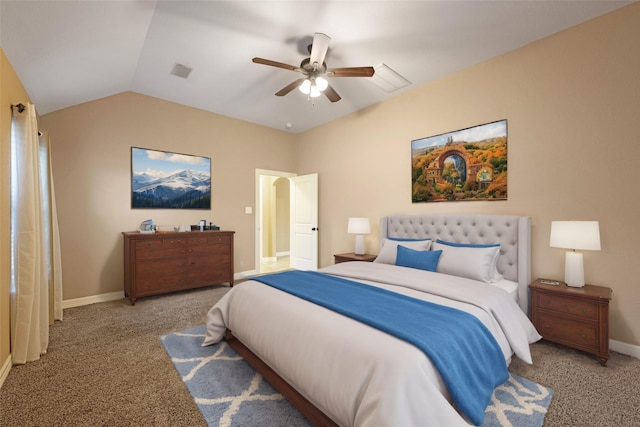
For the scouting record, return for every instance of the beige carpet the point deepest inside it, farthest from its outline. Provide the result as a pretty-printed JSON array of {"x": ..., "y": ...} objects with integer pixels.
[{"x": 106, "y": 367}]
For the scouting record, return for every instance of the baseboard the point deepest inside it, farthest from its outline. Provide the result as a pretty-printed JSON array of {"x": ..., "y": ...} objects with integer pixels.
[
  {"x": 269, "y": 259},
  {"x": 286, "y": 253},
  {"x": 624, "y": 348},
  {"x": 4, "y": 371},
  {"x": 244, "y": 274},
  {"x": 77, "y": 302}
]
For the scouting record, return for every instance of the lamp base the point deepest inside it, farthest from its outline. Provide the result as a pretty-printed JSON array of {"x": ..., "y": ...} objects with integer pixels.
[
  {"x": 359, "y": 244},
  {"x": 574, "y": 270}
]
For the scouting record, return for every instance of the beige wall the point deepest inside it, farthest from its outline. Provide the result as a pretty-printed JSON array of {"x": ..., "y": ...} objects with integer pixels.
[
  {"x": 572, "y": 102},
  {"x": 91, "y": 152},
  {"x": 11, "y": 92}
]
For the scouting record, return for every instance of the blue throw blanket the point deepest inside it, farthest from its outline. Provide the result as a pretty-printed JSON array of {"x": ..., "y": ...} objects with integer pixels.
[{"x": 463, "y": 350}]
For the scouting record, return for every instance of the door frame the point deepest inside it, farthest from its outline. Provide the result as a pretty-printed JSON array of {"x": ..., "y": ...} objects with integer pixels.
[{"x": 258, "y": 209}]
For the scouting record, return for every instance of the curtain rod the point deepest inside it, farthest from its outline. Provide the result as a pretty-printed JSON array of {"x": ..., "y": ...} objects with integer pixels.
[{"x": 20, "y": 107}]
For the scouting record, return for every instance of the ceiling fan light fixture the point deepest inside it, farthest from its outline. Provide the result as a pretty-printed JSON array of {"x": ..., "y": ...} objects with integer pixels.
[
  {"x": 321, "y": 83},
  {"x": 315, "y": 92},
  {"x": 313, "y": 86},
  {"x": 305, "y": 87}
]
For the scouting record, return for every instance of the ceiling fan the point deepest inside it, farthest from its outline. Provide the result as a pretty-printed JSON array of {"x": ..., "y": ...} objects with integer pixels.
[{"x": 314, "y": 71}]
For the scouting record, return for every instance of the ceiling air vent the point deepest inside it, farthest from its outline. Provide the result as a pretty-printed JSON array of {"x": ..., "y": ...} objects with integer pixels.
[
  {"x": 181, "y": 71},
  {"x": 387, "y": 79}
]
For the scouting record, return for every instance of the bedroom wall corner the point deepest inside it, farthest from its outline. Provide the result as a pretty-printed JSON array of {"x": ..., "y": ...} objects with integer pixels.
[{"x": 11, "y": 92}]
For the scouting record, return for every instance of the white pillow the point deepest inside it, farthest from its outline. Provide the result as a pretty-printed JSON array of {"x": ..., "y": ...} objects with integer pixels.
[
  {"x": 389, "y": 249},
  {"x": 471, "y": 262}
]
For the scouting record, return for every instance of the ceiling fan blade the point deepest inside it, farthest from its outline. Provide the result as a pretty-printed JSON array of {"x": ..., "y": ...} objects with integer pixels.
[
  {"x": 274, "y": 64},
  {"x": 332, "y": 94},
  {"x": 351, "y": 72},
  {"x": 288, "y": 88},
  {"x": 319, "y": 48}
]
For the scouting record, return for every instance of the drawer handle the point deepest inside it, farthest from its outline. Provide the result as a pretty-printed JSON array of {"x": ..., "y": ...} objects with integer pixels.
[
  {"x": 547, "y": 326},
  {"x": 584, "y": 310},
  {"x": 547, "y": 301}
]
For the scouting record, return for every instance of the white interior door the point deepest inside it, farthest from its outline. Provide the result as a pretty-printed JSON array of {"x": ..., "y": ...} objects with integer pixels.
[{"x": 304, "y": 222}]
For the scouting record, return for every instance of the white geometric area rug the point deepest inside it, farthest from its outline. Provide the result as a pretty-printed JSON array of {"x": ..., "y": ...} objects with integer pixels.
[{"x": 229, "y": 392}]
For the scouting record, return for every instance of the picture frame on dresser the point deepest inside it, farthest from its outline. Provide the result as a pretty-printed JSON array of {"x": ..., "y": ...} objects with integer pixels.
[{"x": 167, "y": 180}]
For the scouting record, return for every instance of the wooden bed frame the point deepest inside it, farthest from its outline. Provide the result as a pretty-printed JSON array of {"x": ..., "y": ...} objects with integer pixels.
[
  {"x": 313, "y": 414},
  {"x": 512, "y": 232}
]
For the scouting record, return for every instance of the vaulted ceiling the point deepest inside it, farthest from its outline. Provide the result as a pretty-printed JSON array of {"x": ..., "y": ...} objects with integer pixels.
[{"x": 70, "y": 52}]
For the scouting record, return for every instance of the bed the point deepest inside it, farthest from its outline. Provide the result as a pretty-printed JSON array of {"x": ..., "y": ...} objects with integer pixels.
[{"x": 340, "y": 371}]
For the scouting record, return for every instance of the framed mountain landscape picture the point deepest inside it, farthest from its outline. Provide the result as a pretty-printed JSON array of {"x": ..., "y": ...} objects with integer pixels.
[
  {"x": 467, "y": 164},
  {"x": 165, "y": 180}
]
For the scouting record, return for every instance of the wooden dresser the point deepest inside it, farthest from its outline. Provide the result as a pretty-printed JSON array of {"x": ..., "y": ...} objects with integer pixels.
[
  {"x": 575, "y": 317},
  {"x": 164, "y": 262}
]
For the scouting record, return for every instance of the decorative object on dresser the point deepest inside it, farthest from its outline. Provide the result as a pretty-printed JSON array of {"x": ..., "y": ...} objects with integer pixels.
[
  {"x": 351, "y": 256},
  {"x": 575, "y": 317},
  {"x": 574, "y": 235},
  {"x": 359, "y": 226},
  {"x": 173, "y": 261}
]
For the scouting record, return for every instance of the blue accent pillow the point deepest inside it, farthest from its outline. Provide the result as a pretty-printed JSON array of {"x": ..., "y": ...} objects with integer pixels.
[
  {"x": 467, "y": 245},
  {"x": 422, "y": 260}
]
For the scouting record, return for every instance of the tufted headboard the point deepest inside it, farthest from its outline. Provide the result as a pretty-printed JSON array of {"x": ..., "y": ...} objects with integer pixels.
[{"x": 512, "y": 232}]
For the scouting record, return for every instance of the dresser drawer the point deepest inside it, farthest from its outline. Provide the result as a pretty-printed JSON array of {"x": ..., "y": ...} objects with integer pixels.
[
  {"x": 584, "y": 309},
  {"x": 206, "y": 262},
  {"x": 161, "y": 252},
  {"x": 147, "y": 244},
  {"x": 209, "y": 250},
  {"x": 219, "y": 240},
  {"x": 158, "y": 267},
  {"x": 568, "y": 331},
  {"x": 172, "y": 242}
]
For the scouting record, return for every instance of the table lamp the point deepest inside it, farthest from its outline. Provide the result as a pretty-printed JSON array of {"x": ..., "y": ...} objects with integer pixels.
[
  {"x": 359, "y": 226},
  {"x": 584, "y": 235}
]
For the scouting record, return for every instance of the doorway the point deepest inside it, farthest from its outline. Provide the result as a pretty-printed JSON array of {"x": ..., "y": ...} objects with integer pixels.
[
  {"x": 286, "y": 221},
  {"x": 272, "y": 221}
]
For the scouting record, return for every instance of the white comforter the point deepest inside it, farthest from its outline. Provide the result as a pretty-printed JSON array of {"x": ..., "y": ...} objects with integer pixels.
[{"x": 354, "y": 373}]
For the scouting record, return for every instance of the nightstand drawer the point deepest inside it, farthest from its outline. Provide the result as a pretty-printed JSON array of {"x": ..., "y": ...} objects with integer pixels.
[
  {"x": 581, "y": 308},
  {"x": 567, "y": 331}
]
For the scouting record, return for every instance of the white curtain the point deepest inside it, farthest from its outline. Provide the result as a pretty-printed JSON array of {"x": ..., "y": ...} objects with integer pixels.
[{"x": 35, "y": 255}]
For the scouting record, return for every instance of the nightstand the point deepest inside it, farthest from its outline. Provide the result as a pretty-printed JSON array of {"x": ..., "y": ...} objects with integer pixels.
[
  {"x": 575, "y": 317},
  {"x": 353, "y": 257}
]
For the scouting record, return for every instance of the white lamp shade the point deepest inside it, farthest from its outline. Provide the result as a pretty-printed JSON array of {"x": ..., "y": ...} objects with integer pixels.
[
  {"x": 305, "y": 87},
  {"x": 583, "y": 235},
  {"x": 321, "y": 83},
  {"x": 359, "y": 226}
]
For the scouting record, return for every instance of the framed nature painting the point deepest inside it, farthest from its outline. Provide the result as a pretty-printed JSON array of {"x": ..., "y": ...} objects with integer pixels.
[
  {"x": 165, "y": 180},
  {"x": 466, "y": 164}
]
